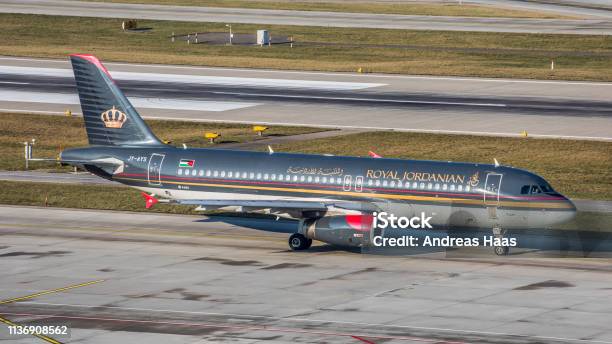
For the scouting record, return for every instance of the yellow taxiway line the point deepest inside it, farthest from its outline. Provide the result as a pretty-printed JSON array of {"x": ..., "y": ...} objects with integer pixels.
[{"x": 46, "y": 292}]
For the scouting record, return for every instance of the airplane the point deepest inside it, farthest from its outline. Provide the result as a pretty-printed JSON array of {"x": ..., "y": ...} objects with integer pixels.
[{"x": 332, "y": 197}]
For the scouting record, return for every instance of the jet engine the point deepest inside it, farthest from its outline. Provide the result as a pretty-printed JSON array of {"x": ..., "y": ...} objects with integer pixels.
[{"x": 343, "y": 230}]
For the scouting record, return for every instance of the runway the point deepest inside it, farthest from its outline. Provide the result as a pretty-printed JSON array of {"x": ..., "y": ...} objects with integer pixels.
[
  {"x": 185, "y": 279},
  {"x": 599, "y": 26},
  {"x": 581, "y": 110}
]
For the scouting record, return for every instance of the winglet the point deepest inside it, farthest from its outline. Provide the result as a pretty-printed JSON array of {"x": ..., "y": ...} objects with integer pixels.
[
  {"x": 149, "y": 200},
  {"x": 496, "y": 162},
  {"x": 270, "y": 150},
  {"x": 374, "y": 155}
]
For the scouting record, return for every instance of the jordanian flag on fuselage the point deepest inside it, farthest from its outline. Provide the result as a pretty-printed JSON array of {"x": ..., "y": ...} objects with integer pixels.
[{"x": 187, "y": 163}]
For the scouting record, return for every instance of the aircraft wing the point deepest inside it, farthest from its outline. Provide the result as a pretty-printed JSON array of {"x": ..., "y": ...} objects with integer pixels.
[{"x": 282, "y": 208}]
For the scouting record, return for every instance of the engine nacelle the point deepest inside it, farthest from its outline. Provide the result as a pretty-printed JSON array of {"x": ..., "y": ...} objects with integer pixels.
[{"x": 341, "y": 230}]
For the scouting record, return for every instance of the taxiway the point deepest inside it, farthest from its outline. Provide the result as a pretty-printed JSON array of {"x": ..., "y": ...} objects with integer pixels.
[{"x": 185, "y": 279}]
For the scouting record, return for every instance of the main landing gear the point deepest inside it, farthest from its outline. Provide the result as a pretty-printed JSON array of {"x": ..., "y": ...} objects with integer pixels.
[
  {"x": 298, "y": 242},
  {"x": 499, "y": 233}
]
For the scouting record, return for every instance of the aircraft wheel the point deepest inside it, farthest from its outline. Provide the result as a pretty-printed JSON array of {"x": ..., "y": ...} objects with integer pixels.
[
  {"x": 502, "y": 250},
  {"x": 298, "y": 242}
]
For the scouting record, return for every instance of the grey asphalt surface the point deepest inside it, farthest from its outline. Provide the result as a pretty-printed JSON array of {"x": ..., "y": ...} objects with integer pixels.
[
  {"x": 597, "y": 26},
  {"x": 501, "y": 107},
  {"x": 189, "y": 279}
]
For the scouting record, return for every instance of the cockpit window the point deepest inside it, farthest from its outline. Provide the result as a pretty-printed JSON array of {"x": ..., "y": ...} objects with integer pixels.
[
  {"x": 546, "y": 188},
  {"x": 536, "y": 189},
  {"x": 525, "y": 189}
]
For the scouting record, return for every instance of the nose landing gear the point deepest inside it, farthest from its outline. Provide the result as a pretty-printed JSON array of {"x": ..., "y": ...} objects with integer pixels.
[
  {"x": 298, "y": 242},
  {"x": 500, "y": 250}
]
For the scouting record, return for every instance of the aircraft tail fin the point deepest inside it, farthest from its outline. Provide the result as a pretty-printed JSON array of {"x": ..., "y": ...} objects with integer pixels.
[{"x": 110, "y": 119}]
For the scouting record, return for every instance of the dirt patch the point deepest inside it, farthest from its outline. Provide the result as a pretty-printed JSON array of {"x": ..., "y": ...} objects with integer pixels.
[
  {"x": 232, "y": 262},
  {"x": 286, "y": 266},
  {"x": 545, "y": 284},
  {"x": 35, "y": 255}
]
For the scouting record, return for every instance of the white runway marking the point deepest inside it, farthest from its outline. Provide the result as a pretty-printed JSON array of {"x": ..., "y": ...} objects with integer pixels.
[
  {"x": 199, "y": 79},
  {"x": 151, "y": 103},
  {"x": 14, "y": 83},
  {"x": 399, "y": 101}
]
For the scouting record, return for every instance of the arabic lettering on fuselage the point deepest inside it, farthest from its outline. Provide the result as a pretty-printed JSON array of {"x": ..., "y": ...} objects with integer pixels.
[{"x": 316, "y": 170}]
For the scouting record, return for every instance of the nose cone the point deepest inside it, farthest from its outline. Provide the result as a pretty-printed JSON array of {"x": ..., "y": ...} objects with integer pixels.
[{"x": 569, "y": 213}]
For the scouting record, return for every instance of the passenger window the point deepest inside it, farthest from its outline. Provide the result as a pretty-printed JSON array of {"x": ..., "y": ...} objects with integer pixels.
[
  {"x": 392, "y": 184},
  {"x": 273, "y": 176},
  {"x": 310, "y": 179},
  {"x": 324, "y": 180},
  {"x": 452, "y": 187},
  {"x": 429, "y": 186},
  {"x": 414, "y": 185},
  {"x": 384, "y": 183},
  {"x": 180, "y": 171},
  {"x": 399, "y": 184},
  {"x": 194, "y": 172},
  {"x": 370, "y": 182},
  {"x": 201, "y": 173},
  {"x": 251, "y": 175},
  {"x": 208, "y": 173},
  {"x": 444, "y": 187},
  {"x": 339, "y": 180},
  {"x": 244, "y": 175},
  {"x": 422, "y": 186},
  {"x": 316, "y": 179},
  {"x": 230, "y": 174},
  {"x": 222, "y": 174},
  {"x": 215, "y": 174},
  {"x": 467, "y": 188},
  {"x": 302, "y": 178},
  {"x": 437, "y": 186},
  {"x": 460, "y": 188},
  {"x": 295, "y": 178},
  {"x": 377, "y": 182}
]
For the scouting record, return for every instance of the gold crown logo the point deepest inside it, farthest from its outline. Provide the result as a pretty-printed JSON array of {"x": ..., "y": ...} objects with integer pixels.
[{"x": 113, "y": 118}]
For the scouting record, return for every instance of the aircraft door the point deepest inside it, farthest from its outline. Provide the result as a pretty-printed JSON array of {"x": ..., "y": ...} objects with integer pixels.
[
  {"x": 491, "y": 190},
  {"x": 359, "y": 183},
  {"x": 154, "y": 169},
  {"x": 348, "y": 183}
]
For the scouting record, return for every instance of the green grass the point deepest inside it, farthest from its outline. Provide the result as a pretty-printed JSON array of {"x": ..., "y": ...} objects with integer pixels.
[
  {"x": 578, "y": 169},
  {"x": 54, "y": 133},
  {"x": 466, "y": 10},
  {"x": 126, "y": 199},
  {"x": 577, "y": 57}
]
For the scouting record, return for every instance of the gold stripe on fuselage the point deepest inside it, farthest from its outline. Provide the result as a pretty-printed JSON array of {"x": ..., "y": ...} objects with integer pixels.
[{"x": 519, "y": 204}]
